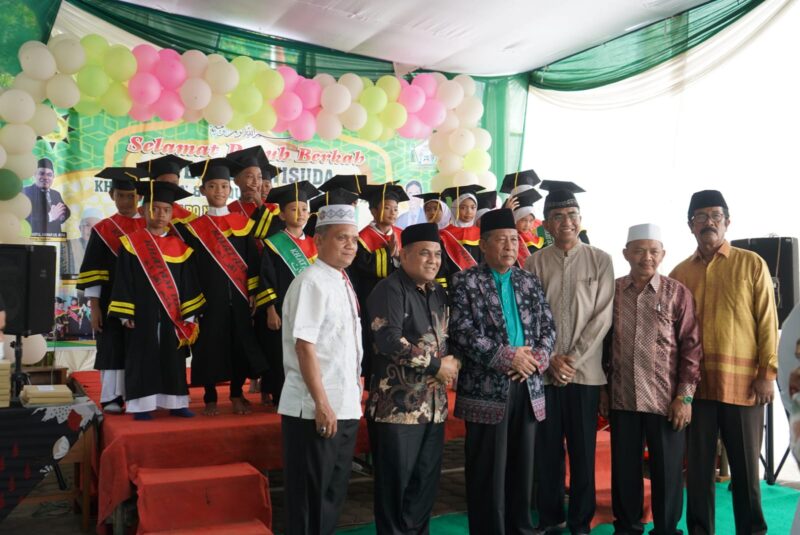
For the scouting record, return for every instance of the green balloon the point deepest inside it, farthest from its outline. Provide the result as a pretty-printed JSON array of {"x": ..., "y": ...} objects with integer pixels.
[
  {"x": 477, "y": 161},
  {"x": 394, "y": 115},
  {"x": 120, "y": 63},
  {"x": 247, "y": 69},
  {"x": 93, "y": 81},
  {"x": 246, "y": 100},
  {"x": 264, "y": 119},
  {"x": 367, "y": 82},
  {"x": 269, "y": 82},
  {"x": 25, "y": 228},
  {"x": 95, "y": 47},
  {"x": 10, "y": 185},
  {"x": 238, "y": 122},
  {"x": 116, "y": 100},
  {"x": 390, "y": 85},
  {"x": 373, "y": 99},
  {"x": 88, "y": 106},
  {"x": 372, "y": 129}
]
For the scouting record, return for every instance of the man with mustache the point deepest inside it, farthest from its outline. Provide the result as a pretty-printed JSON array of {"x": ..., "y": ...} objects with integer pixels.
[
  {"x": 48, "y": 210},
  {"x": 735, "y": 304}
]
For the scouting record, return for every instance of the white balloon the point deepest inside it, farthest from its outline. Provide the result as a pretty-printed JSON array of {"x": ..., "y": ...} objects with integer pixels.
[
  {"x": 222, "y": 77},
  {"x": 35, "y": 88},
  {"x": 470, "y": 110},
  {"x": 449, "y": 162},
  {"x": 31, "y": 347},
  {"x": 20, "y": 206},
  {"x": 450, "y": 93},
  {"x": 69, "y": 55},
  {"x": 37, "y": 62},
  {"x": 62, "y": 91},
  {"x": 487, "y": 179},
  {"x": 3, "y": 156},
  {"x": 483, "y": 139},
  {"x": 23, "y": 165},
  {"x": 17, "y": 138},
  {"x": 354, "y": 117},
  {"x": 465, "y": 178},
  {"x": 9, "y": 228},
  {"x": 29, "y": 44},
  {"x": 461, "y": 141},
  {"x": 329, "y": 126},
  {"x": 192, "y": 116},
  {"x": 195, "y": 63},
  {"x": 451, "y": 122},
  {"x": 44, "y": 120},
  {"x": 438, "y": 143},
  {"x": 467, "y": 83},
  {"x": 440, "y": 78},
  {"x": 195, "y": 93},
  {"x": 216, "y": 58},
  {"x": 16, "y": 106},
  {"x": 219, "y": 111},
  {"x": 336, "y": 98},
  {"x": 54, "y": 40},
  {"x": 324, "y": 79},
  {"x": 353, "y": 83}
]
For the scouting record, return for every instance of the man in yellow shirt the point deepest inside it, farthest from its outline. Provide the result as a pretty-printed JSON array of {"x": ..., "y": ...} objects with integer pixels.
[{"x": 735, "y": 305}]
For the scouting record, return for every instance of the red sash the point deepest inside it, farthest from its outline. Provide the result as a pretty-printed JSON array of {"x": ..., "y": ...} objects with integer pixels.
[
  {"x": 222, "y": 251},
  {"x": 161, "y": 279},
  {"x": 239, "y": 207},
  {"x": 374, "y": 239},
  {"x": 111, "y": 229},
  {"x": 307, "y": 245},
  {"x": 457, "y": 253}
]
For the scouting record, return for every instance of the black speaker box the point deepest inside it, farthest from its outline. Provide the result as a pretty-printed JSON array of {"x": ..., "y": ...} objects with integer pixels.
[
  {"x": 28, "y": 288},
  {"x": 781, "y": 255}
]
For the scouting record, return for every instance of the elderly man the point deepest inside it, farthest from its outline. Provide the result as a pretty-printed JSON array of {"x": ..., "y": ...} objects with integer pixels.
[
  {"x": 652, "y": 375},
  {"x": 320, "y": 404},
  {"x": 578, "y": 280},
  {"x": 407, "y": 405},
  {"x": 502, "y": 331},
  {"x": 735, "y": 304},
  {"x": 48, "y": 210}
]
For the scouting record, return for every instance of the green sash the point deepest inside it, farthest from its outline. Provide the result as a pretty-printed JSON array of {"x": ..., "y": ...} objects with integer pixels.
[{"x": 294, "y": 258}]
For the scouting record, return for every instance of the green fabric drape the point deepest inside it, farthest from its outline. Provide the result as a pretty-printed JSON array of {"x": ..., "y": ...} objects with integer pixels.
[
  {"x": 642, "y": 49},
  {"x": 24, "y": 21}
]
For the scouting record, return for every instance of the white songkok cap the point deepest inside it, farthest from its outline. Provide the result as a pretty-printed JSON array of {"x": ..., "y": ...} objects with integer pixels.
[
  {"x": 645, "y": 231},
  {"x": 336, "y": 214}
]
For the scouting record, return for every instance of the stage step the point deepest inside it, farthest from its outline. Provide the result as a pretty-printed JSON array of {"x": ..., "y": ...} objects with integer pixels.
[
  {"x": 197, "y": 497},
  {"x": 237, "y": 528}
]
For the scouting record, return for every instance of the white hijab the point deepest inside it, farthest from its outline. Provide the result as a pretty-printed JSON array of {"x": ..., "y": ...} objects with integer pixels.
[{"x": 461, "y": 198}]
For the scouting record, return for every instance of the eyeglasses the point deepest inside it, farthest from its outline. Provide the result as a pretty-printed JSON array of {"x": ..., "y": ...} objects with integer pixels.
[
  {"x": 701, "y": 218},
  {"x": 560, "y": 218}
]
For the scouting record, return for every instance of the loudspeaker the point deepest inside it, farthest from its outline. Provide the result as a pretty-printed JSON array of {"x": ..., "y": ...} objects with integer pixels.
[
  {"x": 781, "y": 257},
  {"x": 28, "y": 287}
]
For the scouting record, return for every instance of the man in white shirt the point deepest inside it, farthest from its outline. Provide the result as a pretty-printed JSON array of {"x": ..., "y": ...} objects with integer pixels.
[{"x": 320, "y": 404}]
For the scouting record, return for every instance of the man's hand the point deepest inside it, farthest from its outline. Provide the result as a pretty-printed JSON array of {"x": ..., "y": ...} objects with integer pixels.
[
  {"x": 273, "y": 319},
  {"x": 97, "y": 314},
  {"x": 56, "y": 211},
  {"x": 604, "y": 405},
  {"x": 516, "y": 376},
  {"x": 448, "y": 370},
  {"x": 325, "y": 420},
  {"x": 680, "y": 414},
  {"x": 562, "y": 369},
  {"x": 764, "y": 390},
  {"x": 524, "y": 363}
]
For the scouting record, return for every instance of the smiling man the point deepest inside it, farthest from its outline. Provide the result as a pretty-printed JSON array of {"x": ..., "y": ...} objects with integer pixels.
[
  {"x": 735, "y": 304},
  {"x": 48, "y": 210}
]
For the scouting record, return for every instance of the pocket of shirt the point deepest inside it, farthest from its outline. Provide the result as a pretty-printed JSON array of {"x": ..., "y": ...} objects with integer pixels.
[{"x": 586, "y": 290}]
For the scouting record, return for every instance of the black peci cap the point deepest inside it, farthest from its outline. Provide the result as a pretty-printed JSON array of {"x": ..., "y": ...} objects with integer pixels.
[
  {"x": 419, "y": 232},
  {"x": 706, "y": 199},
  {"x": 502, "y": 218}
]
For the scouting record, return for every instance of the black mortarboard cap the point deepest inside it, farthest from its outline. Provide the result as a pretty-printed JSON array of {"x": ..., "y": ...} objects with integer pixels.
[
  {"x": 301, "y": 191},
  {"x": 502, "y": 218},
  {"x": 337, "y": 196},
  {"x": 212, "y": 169},
  {"x": 375, "y": 194},
  {"x": 519, "y": 178},
  {"x": 252, "y": 157},
  {"x": 527, "y": 198},
  {"x": 419, "y": 232},
  {"x": 554, "y": 185},
  {"x": 454, "y": 192},
  {"x": 165, "y": 165},
  {"x": 487, "y": 200},
  {"x": 44, "y": 163},
  {"x": 167, "y": 192},
  {"x": 123, "y": 178},
  {"x": 354, "y": 183},
  {"x": 428, "y": 197},
  {"x": 706, "y": 199}
]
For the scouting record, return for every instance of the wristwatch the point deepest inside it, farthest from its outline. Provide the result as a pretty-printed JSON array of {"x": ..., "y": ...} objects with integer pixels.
[{"x": 687, "y": 400}]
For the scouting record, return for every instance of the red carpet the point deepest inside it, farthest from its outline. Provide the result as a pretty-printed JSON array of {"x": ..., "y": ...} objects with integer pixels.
[{"x": 239, "y": 528}]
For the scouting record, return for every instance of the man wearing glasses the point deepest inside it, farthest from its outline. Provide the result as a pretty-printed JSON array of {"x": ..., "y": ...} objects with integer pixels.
[
  {"x": 578, "y": 282},
  {"x": 735, "y": 306}
]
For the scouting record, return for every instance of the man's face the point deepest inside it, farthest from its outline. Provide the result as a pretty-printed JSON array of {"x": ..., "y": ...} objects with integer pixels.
[
  {"x": 421, "y": 260},
  {"x": 563, "y": 224},
  {"x": 433, "y": 212},
  {"x": 249, "y": 182},
  {"x": 44, "y": 177},
  {"x": 337, "y": 244},
  {"x": 86, "y": 225},
  {"x": 387, "y": 216},
  {"x": 160, "y": 217},
  {"x": 266, "y": 186},
  {"x": 500, "y": 248},
  {"x": 525, "y": 224},
  {"x": 709, "y": 226},
  {"x": 172, "y": 178},
  {"x": 125, "y": 201},
  {"x": 216, "y": 192},
  {"x": 466, "y": 210},
  {"x": 644, "y": 257},
  {"x": 295, "y": 214}
]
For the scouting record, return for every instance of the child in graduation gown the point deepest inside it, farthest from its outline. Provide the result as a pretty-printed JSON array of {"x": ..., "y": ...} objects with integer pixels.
[
  {"x": 156, "y": 294},
  {"x": 525, "y": 220},
  {"x": 461, "y": 237},
  {"x": 253, "y": 173},
  {"x": 228, "y": 267},
  {"x": 286, "y": 255},
  {"x": 96, "y": 279},
  {"x": 168, "y": 169}
]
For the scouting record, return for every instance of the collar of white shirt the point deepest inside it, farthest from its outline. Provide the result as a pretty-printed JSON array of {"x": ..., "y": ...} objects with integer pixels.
[{"x": 222, "y": 210}]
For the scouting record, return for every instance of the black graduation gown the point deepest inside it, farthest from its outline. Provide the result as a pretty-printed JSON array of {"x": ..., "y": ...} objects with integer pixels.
[
  {"x": 154, "y": 364},
  {"x": 227, "y": 340}
]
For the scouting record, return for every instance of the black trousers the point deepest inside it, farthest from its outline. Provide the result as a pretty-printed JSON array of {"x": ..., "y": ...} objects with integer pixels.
[
  {"x": 237, "y": 382},
  {"x": 272, "y": 380},
  {"x": 499, "y": 469},
  {"x": 316, "y": 473},
  {"x": 571, "y": 415},
  {"x": 629, "y": 430},
  {"x": 408, "y": 463},
  {"x": 741, "y": 429}
]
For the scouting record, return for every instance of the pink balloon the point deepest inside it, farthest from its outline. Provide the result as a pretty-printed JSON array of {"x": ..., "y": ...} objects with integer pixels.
[
  {"x": 288, "y": 106},
  {"x": 140, "y": 112},
  {"x": 169, "y": 106},
  {"x": 433, "y": 113},
  {"x": 315, "y": 111},
  {"x": 146, "y": 57},
  {"x": 411, "y": 128},
  {"x": 403, "y": 82},
  {"x": 280, "y": 126},
  {"x": 170, "y": 72},
  {"x": 144, "y": 88},
  {"x": 290, "y": 77},
  {"x": 309, "y": 92},
  {"x": 303, "y": 128},
  {"x": 424, "y": 131},
  {"x": 168, "y": 53},
  {"x": 412, "y": 98},
  {"x": 426, "y": 82}
]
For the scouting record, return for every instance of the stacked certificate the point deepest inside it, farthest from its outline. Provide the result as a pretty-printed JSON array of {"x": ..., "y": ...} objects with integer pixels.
[
  {"x": 5, "y": 383},
  {"x": 46, "y": 395}
]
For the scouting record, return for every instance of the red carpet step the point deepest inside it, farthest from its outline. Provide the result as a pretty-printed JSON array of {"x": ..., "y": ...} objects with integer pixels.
[
  {"x": 239, "y": 528},
  {"x": 199, "y": 497}
]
